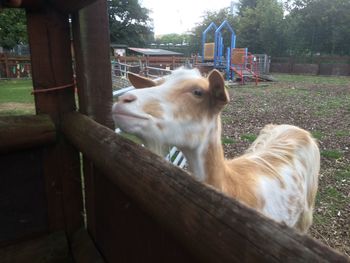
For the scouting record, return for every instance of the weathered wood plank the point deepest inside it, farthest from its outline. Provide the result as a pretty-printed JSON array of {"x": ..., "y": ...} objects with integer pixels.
[
  {"x": 32, "y": 4},
  {"x": 23, "y": 132},
  {"x": 83, "y": 248},
  {"x": 50, "y": 48},
  {"x": 91, "y": 48},
  {"x": 131, "y": 230},
  {"x": 121, "y": 223},
  {"x": 93, "y": 65},
  {"x": 63, "y": 6},
  {"x": 23, "y": 211},
  {"x": 214, "y": 227},
  {"x": 72, "y": 5},
  {"x": 48, "y": 249}
]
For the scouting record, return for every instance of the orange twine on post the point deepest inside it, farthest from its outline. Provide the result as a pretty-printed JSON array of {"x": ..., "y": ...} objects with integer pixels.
[{"x": 54, "y": 88}]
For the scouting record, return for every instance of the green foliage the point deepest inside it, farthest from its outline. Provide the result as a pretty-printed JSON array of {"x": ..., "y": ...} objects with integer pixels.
[
  {"x": 332, "y": 154},
  {"x": 173, "y": 39},
  {"x": 258, "y": 26},
  {"x": 286, "y": 27},
  {"x": 319, "y": 26},
  {"x": 227, "y": 140},
  {"x": 13, "y": 28},
  {"x": 343, "y": 174},
  {"x": 249, "y": 137},
  {"x": 342, "y": 133},
  {"x": 175, "y": 42},
  {"x": 317, "y": 135},
  {"x": 245, "y": 4},
  {"x": 261, "y": 29},
  {"x": 129, "y": 23}
]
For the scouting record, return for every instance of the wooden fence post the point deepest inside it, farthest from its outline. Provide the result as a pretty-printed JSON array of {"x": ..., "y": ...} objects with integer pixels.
[
  {"x": 49, "y": 39},
  {"x": 7, "y": 71},
  {"x": 91, "y": 49}
]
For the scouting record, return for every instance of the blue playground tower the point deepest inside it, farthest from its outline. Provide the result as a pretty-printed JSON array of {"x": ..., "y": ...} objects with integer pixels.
[{"x": 219, "y": 62}]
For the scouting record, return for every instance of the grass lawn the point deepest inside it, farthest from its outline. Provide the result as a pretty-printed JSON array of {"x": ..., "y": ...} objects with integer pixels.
[
  {"x": 15, "y": 97},
  {"x": 310, "y": 79}
]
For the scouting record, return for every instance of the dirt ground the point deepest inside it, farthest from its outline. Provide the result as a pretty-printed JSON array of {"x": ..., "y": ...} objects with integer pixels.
[
  {"x": 324, "y": 110},
  {"x": 16, "y": 108}
]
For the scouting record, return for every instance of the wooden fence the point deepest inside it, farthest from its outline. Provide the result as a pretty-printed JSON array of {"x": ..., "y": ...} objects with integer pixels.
[
  {"x": 137, "y": 206},
  {"x": 339, "y": 66},
  {"x": 14, "y": 66}
]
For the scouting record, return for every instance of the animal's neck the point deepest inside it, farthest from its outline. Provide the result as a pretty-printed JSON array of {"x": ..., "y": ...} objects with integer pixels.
[
  {"x": 156, "y": 147},
  {"x": 207, "y": 162}
]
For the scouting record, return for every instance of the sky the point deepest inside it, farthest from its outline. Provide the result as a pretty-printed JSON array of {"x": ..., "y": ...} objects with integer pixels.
[{"x": 179, "y": 16}]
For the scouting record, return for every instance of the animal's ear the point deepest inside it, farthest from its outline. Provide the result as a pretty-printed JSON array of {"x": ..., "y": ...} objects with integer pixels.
[
  {"x": 140, "y": 82},
  {"x": 217, "y": 87}
]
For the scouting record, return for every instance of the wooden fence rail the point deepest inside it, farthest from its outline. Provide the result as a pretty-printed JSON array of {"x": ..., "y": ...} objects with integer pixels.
[
  {"x": 312, "y": 65},
  {"x": 23, "y": 132},
  {"x": 212, "y": 226},
  {"x": 15, "y": 66}
]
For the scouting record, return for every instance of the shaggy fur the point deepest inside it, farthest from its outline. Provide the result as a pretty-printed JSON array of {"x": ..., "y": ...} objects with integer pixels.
[{"x": 278, "y": 174}]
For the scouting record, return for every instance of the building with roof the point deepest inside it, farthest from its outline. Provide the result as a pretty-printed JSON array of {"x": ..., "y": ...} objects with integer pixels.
[{"x": 154, "y": 52}]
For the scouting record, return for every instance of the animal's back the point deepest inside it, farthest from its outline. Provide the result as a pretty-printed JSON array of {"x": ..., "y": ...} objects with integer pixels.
[{"x": 282, "y": 166}]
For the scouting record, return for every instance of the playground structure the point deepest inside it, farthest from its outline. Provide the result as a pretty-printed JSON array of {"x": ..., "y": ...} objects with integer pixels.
[
  {"x": 214, "y": 51},
  {"x": 136, "y": 207},
  {"x": 236, "y": 61},
  {"x": 245, "y": 65}
]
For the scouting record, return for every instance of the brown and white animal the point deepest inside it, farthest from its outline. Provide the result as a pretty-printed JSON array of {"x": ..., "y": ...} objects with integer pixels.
[{"x": 278, "y": 174}]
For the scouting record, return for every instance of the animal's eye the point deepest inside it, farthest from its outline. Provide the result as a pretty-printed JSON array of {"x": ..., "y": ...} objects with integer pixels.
[{"x": 197, "y": 92}]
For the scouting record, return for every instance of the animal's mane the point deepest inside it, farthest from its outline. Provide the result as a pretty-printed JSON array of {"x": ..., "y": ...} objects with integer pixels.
[{"x": 181, "y": 74}]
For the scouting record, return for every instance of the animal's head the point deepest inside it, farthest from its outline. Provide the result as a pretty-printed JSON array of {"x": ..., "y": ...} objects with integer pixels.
[{"x": 177, "y": 111}]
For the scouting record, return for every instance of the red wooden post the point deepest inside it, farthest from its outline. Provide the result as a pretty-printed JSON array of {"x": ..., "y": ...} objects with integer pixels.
[{"x": 7, "y": 71}]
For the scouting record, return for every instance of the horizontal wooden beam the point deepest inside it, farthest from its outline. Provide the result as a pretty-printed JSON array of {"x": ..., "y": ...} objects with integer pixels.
[
  {"x": 23, "y": 132},
  {"x": 65, "y": 6},
  {"x": 72, "y": 5},
  {"x": 212, "y": 226},
  {"x": 31, "y": 4}
]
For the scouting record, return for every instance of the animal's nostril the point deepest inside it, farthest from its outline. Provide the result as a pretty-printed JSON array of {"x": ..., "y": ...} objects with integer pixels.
[{"x": 127, "y": 98}]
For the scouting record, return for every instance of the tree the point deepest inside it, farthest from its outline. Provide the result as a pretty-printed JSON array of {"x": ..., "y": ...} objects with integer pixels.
[
  {"x": 261, "y": 28},
  {"x": 129, "y": 23},
  {"x": 319, "y": 26},
  {"x": 286, "y": 27},
  {"x": 173, "y": 39},
  {"x": 271, "y": 26},
  {"x": 244, "y": 4},
  {"x": 13, "y": 29},
  {"x": 175, "y": 42}
]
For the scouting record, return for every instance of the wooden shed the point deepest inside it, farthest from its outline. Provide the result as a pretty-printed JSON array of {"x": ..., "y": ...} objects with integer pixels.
[{"x": 71, "y": 190}]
